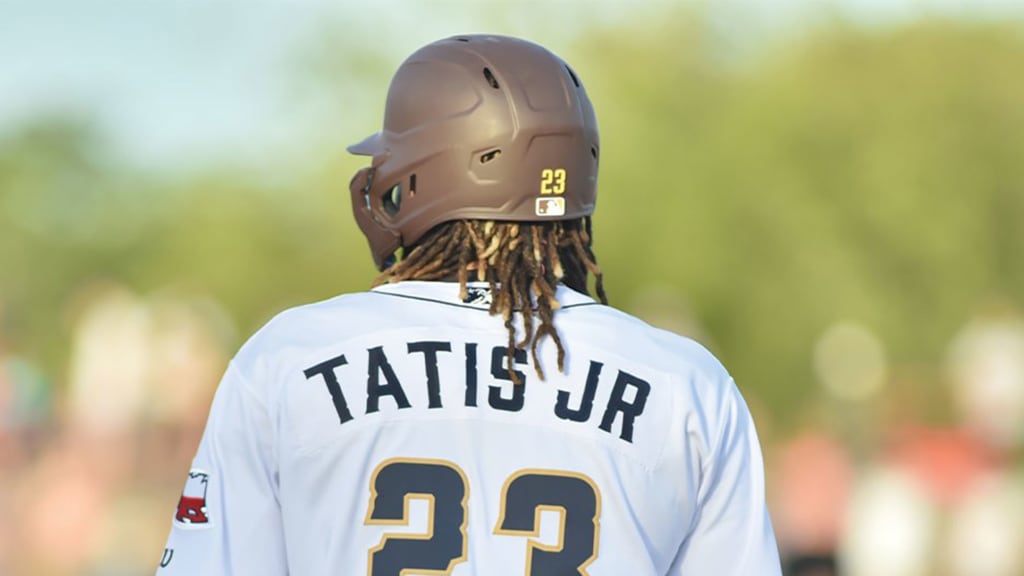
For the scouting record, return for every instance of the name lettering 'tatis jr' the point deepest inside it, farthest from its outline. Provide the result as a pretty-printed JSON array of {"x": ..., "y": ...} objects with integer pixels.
[{"x": 625, "y": 403}]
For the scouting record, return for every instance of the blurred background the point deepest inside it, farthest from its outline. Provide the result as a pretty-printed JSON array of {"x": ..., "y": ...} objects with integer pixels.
[{"x": 828, "y": 194}]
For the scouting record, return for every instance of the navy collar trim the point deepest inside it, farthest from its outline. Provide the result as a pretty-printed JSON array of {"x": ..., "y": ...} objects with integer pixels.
[{"x": 478, "y": 298}]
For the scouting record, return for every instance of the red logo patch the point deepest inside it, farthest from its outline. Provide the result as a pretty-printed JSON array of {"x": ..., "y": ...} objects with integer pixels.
[{"x": 192, "y": 505}]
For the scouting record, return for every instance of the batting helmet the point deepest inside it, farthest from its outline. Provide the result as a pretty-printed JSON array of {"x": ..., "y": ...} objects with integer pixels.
[{"x": 476, "y": 127}]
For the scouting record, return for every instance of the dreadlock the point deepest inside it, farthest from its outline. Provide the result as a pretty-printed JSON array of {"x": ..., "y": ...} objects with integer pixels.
[{"x": 523, "y": 262}]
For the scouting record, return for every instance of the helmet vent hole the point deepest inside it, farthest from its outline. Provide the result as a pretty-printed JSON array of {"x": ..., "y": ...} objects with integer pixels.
[
  {"x": 487, "y": 157},
  {"x": 412, "y": 185},
  {"x": 462, "y": 39},
  {"x": 491, "y": 79},
  {"x": 391, "y": 202},
  {"x": 572, "y": 75},
  {"x": 593, "y": 152}
]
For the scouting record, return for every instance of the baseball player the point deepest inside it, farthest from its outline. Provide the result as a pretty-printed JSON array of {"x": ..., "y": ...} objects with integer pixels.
[{"x": 477, "y": 412}]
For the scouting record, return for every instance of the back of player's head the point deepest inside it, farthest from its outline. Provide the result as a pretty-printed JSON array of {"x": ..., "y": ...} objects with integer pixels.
[{"x": 476, "y": 127}]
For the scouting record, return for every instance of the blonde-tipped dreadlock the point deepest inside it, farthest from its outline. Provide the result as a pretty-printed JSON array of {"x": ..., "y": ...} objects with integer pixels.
[{"x": 522, "y": 261}]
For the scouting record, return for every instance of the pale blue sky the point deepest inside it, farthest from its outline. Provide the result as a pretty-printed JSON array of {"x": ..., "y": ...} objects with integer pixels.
[{"x": 191, "y": 82}]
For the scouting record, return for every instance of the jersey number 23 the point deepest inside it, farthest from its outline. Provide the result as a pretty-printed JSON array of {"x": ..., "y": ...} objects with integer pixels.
[{"x": 525, "y": 495}]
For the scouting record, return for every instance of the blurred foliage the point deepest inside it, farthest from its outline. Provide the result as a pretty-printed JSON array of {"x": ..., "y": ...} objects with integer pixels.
[
  {"x": 871, "y": 175},
  {"x": 852, "y": 173}
]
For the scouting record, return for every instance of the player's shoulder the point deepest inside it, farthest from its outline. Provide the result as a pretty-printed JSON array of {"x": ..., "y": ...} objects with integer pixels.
[
  {"x": 657, "y": 347},
  {"x": 686, "y": 379},
  {"x": 302, "y": 315},
  {"x": 308, "y": 324}
]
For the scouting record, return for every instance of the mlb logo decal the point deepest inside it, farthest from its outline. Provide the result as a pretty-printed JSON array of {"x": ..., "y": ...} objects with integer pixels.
[
  {"x": 192, "y": 505},
  {"x": 550, "y": 207},
  {"x": 479, "y": 296}
]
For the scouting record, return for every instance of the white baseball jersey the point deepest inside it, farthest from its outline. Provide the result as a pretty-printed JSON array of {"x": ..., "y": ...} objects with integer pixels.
[{"x": 380, "y": 433}]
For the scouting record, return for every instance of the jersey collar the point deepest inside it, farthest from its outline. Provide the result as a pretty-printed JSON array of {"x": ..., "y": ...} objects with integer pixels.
[{"x": 479, "y": 293}]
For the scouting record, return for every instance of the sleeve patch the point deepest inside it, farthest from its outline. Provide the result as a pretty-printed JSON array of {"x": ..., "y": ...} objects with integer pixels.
[{"x": 192, "y": 509}]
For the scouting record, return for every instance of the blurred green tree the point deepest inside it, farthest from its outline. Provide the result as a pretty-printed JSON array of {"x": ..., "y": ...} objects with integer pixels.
[{"x": 865, "y": 174}]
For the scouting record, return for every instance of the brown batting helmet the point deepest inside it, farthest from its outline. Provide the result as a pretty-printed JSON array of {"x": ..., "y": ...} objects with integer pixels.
[{"x": 476, "y": 127}]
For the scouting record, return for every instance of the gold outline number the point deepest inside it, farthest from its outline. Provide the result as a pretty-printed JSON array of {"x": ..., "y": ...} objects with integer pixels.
[
  {"x": 532, "y": 543},
  {"x": 552, "y": 181},
  {"x": 562, "y": 518},
  {"x": 404, "y": 521}
]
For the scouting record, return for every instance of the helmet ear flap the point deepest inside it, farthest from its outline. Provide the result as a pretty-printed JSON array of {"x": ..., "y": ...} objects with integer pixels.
[
  {"x": 383, "y": 240},
  {"x": 361, "y": 183}
]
